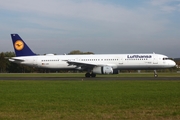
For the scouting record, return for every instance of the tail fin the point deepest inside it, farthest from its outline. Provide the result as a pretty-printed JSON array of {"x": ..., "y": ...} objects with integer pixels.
[{"x": 20, "y": 47}]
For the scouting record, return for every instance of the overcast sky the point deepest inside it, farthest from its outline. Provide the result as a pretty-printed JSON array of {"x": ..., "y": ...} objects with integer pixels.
[{"x": 99, "y": 26}]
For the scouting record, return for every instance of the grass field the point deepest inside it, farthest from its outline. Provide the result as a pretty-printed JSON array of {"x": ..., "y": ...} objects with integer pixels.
[
  {"x": 173, "y": 74},
  {"x": 90, "y": 99}
]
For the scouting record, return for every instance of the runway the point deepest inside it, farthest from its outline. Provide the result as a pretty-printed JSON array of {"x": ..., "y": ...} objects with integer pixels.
[{"x": 89, "y": 79}]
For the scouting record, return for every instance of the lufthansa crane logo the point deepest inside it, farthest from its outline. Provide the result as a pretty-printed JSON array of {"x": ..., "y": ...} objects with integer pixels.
[{"x": 19, "y": 45}]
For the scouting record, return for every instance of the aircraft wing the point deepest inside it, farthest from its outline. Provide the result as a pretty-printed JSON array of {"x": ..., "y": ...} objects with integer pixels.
[
  {"x": 86, "y": 64},
  {"x": 82, "y": 63}
]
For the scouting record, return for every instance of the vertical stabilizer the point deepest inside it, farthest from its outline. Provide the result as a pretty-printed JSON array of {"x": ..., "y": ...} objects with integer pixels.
[{"x": 20, "y": 47}]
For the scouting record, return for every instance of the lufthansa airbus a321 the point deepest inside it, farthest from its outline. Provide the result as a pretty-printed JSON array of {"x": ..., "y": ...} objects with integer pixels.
[{"x": 93, "y": 64}]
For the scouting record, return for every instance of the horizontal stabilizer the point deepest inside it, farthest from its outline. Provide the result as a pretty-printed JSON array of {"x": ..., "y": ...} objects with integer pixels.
[{"x": 16, "y": 60}]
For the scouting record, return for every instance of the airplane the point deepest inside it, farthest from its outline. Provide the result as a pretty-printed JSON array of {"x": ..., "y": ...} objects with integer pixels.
[{"x": 92, "y": 63}]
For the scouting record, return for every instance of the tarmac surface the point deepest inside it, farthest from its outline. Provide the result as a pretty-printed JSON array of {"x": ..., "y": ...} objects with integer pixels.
[{"x": 83, "y": 78}]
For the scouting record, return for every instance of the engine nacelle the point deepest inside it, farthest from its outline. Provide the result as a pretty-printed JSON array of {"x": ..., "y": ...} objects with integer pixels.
[{"x": 104, "y": 70}]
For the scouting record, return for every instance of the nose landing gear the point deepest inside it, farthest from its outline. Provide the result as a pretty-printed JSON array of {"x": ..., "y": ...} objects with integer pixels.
[{"x": 155, "y": 74}]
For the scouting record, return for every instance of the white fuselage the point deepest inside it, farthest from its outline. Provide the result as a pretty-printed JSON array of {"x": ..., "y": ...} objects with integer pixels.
[{"x": 116, "y": 61}]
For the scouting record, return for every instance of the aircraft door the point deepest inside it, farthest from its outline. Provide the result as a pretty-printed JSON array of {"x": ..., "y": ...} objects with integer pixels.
[
  {"x": 121, "y": 61},
  {"x": 35, "y": 62},
  {"x": 155, "y": 59}
]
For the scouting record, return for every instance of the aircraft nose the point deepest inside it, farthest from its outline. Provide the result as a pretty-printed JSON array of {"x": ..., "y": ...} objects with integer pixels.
[{"x": 172, "y": 63}]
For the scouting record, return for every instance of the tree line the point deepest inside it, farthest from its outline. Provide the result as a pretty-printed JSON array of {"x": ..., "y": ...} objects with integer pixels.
[{"x": 8, "y": 67}]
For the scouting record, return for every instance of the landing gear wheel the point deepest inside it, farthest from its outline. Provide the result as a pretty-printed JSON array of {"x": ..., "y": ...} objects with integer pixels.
[
  {"x": 155, "y": 75},
  {"x": 93, "y": 75},
  {"x": 87, "y": 75}
]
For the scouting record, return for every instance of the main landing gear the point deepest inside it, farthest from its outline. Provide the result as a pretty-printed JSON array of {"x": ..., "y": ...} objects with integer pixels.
[
  {"x": 90, "y": 75},
  {"x": 155, "y": 74}
]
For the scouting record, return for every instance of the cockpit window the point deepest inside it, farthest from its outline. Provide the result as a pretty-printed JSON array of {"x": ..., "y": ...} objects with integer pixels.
[{"x": 167, "y": 58}]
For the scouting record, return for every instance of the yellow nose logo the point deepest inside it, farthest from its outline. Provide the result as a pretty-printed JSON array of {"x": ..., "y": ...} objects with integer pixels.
[{"x": 19, "y": 45}]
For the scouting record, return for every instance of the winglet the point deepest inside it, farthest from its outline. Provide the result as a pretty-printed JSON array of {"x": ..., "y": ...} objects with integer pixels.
[{"x": 20, "y": 47}]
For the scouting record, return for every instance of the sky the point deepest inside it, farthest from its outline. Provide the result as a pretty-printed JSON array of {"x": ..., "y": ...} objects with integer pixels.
[{"x": 98, "y": 26}]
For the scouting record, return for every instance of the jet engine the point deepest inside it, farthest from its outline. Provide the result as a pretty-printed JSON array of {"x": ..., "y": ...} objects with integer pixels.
[{"x": 104, "y": 70}]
